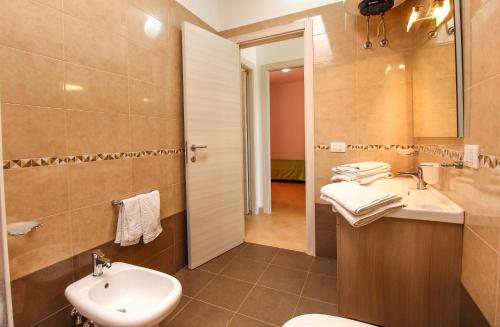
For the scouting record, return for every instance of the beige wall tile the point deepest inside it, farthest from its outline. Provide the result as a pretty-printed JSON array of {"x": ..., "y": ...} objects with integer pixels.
[
  {"x": 484, "y": 45},
  {"x": 485, "y": 115},
  {"x": 155, "y": 8},
  {"x": 93, "y": 226},
  {"x": 146, "y": 133},
  {"x": 334, "y": 77},
  {"x": 57, "y": 4},
  {"x": 97, "y": 182},
  {"x": 90, "y": 46},
  {"x": 344, "y": 129},
  {"x": 146, "y": 174},
  {"x": 95, "y": 90},
  {"x": 328, "y": 104},
  {"x": 173, "y": 135},
  {"x": 91, "y": 132},
  {"x": 384, "y": 129},
  {"x": 333, "y": 19},
  {"x": 148, "y": 99},
  {"x": 110, "y": 15},
  {"x": 32, "y": 27},
  {"x": 479, "y": 273},
  {"x": 31, "y": 79},
  {"x": 148, "y": 64},
  {"x": 334, "y": 47},
  {"x": 32, "y": 193},
  {"x": 146, "y": 30},
  {"x": 172, "y": 170},
  {"x": 41, "y": 248},
  {"x": 33, "y": 132}
]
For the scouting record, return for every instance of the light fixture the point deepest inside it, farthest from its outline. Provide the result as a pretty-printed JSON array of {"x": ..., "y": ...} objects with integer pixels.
[
  {"x": 152, "y": 27},
  {"x": 441, "y": 10},
  {"x": 413, "y": 18},
  {"x": 437, "y": 12},
  {"x": 285, "y": 70}
]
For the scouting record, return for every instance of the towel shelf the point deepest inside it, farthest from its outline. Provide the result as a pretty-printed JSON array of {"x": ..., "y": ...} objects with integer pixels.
[{"x": 118, "y": 203}]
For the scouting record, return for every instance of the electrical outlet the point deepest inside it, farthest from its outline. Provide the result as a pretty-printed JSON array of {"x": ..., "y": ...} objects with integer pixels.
[
  {"x": 471, "y": 156},
  {"x": 337, "y": 147}
]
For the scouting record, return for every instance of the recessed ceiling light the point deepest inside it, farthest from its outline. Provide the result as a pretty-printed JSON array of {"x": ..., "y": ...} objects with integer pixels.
[{"x": 285, "y": 70}]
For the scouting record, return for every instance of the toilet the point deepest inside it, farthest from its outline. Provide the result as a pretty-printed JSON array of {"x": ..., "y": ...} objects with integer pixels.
[{"x": 318, "y": 320}]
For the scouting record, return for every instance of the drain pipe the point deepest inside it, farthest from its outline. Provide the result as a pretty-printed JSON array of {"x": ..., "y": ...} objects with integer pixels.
[{"x": 80, "y": 320}]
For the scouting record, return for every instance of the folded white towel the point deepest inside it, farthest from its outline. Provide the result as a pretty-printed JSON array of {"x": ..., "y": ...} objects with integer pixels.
[
  {"x": 361, "y": 173},
  {"x": 150, "y": 215},
  {"x": 129, "y": 227},
  {"x": 362, "y": 220},
  {"x": 356, "y": 198},
  {"x": 363, "y": 180},
  {"x": 363, "y": 166}
]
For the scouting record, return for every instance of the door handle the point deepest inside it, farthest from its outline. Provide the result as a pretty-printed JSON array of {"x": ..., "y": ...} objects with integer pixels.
[{"x": 194, "y": 147}]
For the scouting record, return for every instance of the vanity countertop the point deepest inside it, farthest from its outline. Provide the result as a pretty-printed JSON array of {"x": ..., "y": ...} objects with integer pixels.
[{"x": 429, "y": 204}]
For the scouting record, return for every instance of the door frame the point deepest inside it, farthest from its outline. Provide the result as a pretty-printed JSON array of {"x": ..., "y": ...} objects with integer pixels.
[{"x": 283, "y": 32}]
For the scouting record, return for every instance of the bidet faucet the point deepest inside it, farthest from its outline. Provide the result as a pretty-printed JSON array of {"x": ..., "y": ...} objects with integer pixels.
[
  {"x": 421, "y": 184},
  {"x": 98, "y": 262}
]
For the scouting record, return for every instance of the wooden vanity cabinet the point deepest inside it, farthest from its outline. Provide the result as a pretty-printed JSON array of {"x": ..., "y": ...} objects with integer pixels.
[{"x": 400, "y": 272}]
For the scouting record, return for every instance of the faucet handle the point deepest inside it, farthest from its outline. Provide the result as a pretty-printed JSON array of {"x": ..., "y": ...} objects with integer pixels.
[{"x": 98, "y": 253}]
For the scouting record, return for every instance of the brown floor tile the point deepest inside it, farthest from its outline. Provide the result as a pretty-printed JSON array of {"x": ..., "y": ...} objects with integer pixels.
[
  {"x": 321, "y": 287},
  {"x": 197, "y": 314},
  {"x": 258, "y": 252},
  {"x": 293, "y": 259},
  {"x": 242, "y": 321},
  {"x": 225, "y": 292},
  {"x": 325, "y": 266},
  {"x": 269, "y": 305},
  {"x": 182, "y": 304},
  {"x": 244, "y": 269},
  {"x": 283, "y": 279},
  {"x": 217, "y": 264},
  {"x": 193, "y": 281},
  {"x": 307, "y": 306}
]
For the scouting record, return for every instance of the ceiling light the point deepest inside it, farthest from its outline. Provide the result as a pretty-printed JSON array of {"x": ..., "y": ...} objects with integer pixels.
[{"x": 285, "y": 70}]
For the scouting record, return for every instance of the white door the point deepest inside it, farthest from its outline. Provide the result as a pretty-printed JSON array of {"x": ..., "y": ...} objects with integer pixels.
[{"x": 214, "y": 154}]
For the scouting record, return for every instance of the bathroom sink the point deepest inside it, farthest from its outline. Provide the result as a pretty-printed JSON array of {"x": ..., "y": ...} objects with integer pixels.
[
  {"x": 429, "y": 204},
  {"x": 125, "y": 296}
]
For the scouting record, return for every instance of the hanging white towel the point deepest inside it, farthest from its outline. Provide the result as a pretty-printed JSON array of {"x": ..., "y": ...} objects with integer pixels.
[
  {"x": 150, "y": 215},
  {"x": 129, "y": 227},
  {"x": 358, "y": 199}
]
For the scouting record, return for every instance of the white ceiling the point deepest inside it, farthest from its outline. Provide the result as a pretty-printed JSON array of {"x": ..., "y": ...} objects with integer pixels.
[{"x": 227, "y": 14}]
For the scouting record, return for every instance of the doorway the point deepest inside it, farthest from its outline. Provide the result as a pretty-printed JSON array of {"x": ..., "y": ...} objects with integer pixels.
[{"x": 275, "y": 124}]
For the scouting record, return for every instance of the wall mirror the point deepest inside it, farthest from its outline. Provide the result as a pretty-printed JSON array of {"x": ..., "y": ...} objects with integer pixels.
[{"x": 437, "y": 70}]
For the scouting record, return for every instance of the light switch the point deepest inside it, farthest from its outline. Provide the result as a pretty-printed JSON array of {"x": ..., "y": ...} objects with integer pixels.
[
  {"x": 337, "y": 147},
  {"x": 471, "y": 156}
]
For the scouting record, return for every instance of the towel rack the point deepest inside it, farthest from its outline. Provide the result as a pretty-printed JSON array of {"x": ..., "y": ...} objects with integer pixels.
[{"x": 120, "y": 202}]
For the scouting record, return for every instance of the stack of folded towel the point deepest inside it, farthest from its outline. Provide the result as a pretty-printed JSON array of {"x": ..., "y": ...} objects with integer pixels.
[
  {"x": 362, "y": 172},
  {"x": 360, "y": 205},
  {"x": 139, "y": 216}
]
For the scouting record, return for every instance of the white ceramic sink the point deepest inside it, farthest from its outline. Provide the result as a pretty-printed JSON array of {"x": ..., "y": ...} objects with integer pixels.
[
  {"x": 125, "y": 296},
  {"x": 427, "y": 204}
]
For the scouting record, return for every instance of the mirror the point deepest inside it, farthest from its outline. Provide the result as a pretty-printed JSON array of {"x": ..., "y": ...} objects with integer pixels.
[{"x": 437, "y": 76}]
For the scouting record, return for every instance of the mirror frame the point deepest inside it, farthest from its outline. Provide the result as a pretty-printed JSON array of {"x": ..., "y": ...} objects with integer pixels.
[{"x": 459, "y": 68}]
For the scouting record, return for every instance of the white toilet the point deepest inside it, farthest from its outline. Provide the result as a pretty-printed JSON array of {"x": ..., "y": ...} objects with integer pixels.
[{"x": 317, "y": 320}]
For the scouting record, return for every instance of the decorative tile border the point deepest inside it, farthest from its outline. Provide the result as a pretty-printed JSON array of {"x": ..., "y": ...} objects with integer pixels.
[
  {"x": 485, "y": 161},
  {"x": 65, "y": 160}
]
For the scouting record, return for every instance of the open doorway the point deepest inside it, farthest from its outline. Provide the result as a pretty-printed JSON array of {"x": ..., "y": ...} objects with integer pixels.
[{"x": 273, "y": 101}]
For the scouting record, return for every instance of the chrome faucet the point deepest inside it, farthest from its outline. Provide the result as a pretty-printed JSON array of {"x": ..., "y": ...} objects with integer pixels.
[
  {"x": 421, "y": 184},
  {"x": 98, "y": 262}
]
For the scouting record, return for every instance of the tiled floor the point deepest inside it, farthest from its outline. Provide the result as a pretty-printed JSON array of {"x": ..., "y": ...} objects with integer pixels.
[
  {"x": 255, "y": 285},
  {"x": 286, "y": 225}
]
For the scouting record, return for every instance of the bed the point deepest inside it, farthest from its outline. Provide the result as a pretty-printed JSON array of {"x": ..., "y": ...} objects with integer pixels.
[{"x": 288, "y": 170}]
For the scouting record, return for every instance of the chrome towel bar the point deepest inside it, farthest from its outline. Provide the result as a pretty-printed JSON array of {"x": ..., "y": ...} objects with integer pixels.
[{"x": 118, "y": 203}]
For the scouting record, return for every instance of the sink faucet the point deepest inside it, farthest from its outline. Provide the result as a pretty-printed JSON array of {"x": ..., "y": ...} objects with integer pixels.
[
  {"x": 98, "y": 262},
  {"x": 421, "y": 184}
]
